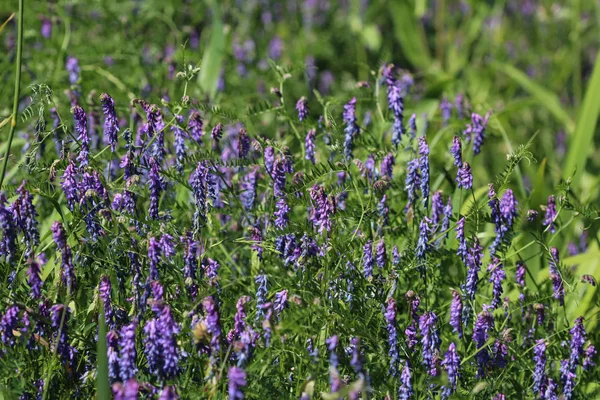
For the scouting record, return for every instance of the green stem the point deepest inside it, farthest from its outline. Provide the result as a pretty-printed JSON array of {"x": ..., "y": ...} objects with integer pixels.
[{"x": 13, "y": 122}]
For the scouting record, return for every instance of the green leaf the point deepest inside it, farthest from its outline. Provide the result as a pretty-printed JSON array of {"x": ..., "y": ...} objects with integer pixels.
[
  {"x": 582, "y": 142},
  {"x": 102, "y": 384},
  {"x": 409, "y": 35},
  {"x": 544, "y": 96},
  {"x": 214, "y": 53}
]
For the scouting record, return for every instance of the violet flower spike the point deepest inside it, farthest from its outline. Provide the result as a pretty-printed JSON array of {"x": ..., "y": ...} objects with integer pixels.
[
  {"x": 302, "y": 108},
  {"x": 309, "y": 144},
  {"x": 236, "y": 380},
  {"x": 368, "y": 259},
  {"x": 111, "y": 125},
  {"x": 281, "y": 213},
  {"x": 351, "y": 129},
  {"x": 82, "y": 135},
  {"x": 464, "y": 177},
  {"x": 539, "y": 357},
  {"x": 456, "y": 151},
  {"x": 424, "y": 168},
  {"x": 497, "y": 276},
  {"x": 551, "y": 214},
  {"x": 390, "y": 317},
  {"x": 456, "y": 309}
]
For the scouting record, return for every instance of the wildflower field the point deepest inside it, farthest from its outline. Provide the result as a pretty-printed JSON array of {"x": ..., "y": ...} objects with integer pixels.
[{"x": 303, "y": 199}]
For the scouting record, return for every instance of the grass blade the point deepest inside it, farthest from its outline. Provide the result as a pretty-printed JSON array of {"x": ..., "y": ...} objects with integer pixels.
[
  {"x": 213, "y": 55},
  {"x": 582, "y": 142},
  {"x": 409, "y": 36},
  {"x": 545, "y": 97},
  {"x": 102, "y": 385}
]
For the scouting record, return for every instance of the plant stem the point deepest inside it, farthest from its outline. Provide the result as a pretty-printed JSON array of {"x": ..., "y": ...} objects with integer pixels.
[{"x": 13, "y": 122}]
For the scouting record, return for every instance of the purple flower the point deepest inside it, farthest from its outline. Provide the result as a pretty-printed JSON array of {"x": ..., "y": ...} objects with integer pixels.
[
  {"x": 46, "y": 29},
  {"x": 368, "y": 259},
  {"x": 387, "y": 165},
  {"x": 243, "y": 143},
  {"x": 281, "y": 213},
  {"x": 456, "y": 151},
  {"x": 128, "y": 353},
  {"x": 531, "y": 215},
  {"x": 446, "y": 108},
  {"x": 69, "y": 185},
  {"x": 196, "y": 126},
  {"x": 203, "y": 187},
  {"x": 412, "y": 180},
  {"x": 460, "y": 237},
  {"x": 405, "y": 390},
  {"x": 154, "y": 254},
  {"x": 485, "y": 323},
  {"x": 550, "y": 392},
  {"x": 67, "y": 269},
  {"x": 237, "y": 380},
  {"x": 275, "y": 48},
  {"x": 430, "y": 340},
  {"x": 473, "y": 264},
  {"x": 437, "y": 207},
  {"x": 168, "y": 393},
  {"x": 72, "y": 66},
  {"x": 456, "y": 309},
  {"x": 332, "y": 343},
  {"x": 156, "y": 186},
  {"x": 322, "y": 210},
  {"x": 539, "y": 357},
  {"x": 34, "y": 279},
  {"x": 8, "y": 324},
  {"x": 451, "y": 363},
  {"x": 390, "y": 317},
  {"x": 216, "y": 134},
  {"x": 520, "y": 273},
  {"x": 212, "y": 323},
  {"x": 411, "y": 336},
  {"x": 396, "y": 105},
  {"x": 476, "y": 131},
  {"x": 127, "y": 391},
  {"x": 497, "y": 276},
  {"x": 464, "y": 177},
  {"x": 248, "y": 189},
  {"x": 578, "y": 335},
  {"x": 588, "y": 361},
  {"x": 111, "y": 126},
  {"x": 356, "y": 362},
  {"x": 381, "y": 254},
  {"x": 279, "y": 178},
  {"x": 412, "y": 125},
  {"x": 280, "y": 302},
  {"x": 239, "y": 325},
  {"x": 309, "y": 143},
  {"x": 104, "y": 290},
  {"x": 269, "y": 157},
  {"x": 555, "y": 276},
  {"x": 261, "y": 295},
  {"x": 24, "y": 214},
  {"x": 424, "y": 167},
  {"x": 423, "y": 243},
  {"x": 112, "y": 355},
  {"x": 160, "y": 345},
  {"x": 351, "y": 129},
  {"x": 459, "y": 103},
  {"x": 551, "y": 214},
  {"x": 82, "y": 135},
  {"x": 302, "y": 108},
  {"x": 8, "y": 245}
]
